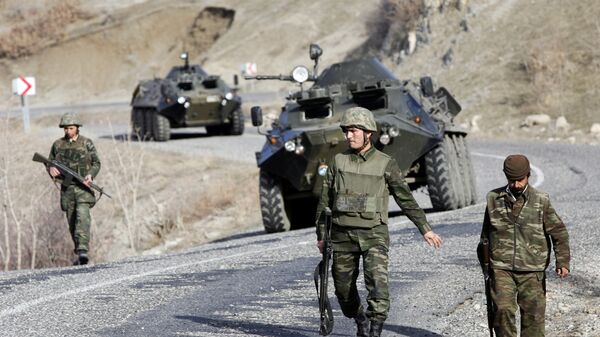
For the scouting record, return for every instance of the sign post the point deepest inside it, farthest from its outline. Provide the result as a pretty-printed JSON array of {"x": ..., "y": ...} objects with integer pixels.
[{"x": 24, "y": 86}]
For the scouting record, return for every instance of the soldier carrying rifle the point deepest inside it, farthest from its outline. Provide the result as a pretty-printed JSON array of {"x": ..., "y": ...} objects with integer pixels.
[
  {"x": 76, "y": 198},
  {"x": 356, "y": 188}
]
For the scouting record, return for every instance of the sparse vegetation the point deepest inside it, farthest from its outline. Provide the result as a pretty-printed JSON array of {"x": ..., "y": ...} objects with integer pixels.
[
  {"x": 151, "y": 206},
  {"x": 46, "y": 28}
]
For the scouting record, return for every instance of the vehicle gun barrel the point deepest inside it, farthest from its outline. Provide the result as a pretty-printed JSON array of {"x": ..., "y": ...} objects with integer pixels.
[{"x": 270, "y": 77}]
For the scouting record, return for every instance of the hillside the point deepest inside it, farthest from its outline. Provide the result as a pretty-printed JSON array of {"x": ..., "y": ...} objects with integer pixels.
[{"x": 504, "y": 60}]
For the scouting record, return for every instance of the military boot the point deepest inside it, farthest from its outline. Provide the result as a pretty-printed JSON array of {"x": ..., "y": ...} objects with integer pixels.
[
  {"x": 83, "y": 257},
  {"x": 362, "y": 324},
  {"x": 376, "y": 328}
]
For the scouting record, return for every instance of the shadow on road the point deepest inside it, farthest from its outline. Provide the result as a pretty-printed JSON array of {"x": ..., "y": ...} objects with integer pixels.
[
  {"x": 262, "y": 329},
  {"x": 253, "y": 328},
  {"x": 409, "y": 331}
]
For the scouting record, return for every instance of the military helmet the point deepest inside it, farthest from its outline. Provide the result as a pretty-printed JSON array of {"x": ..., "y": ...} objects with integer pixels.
[
  {"x": 360, "y": 118},
  {"x": 69, "y": 118}
]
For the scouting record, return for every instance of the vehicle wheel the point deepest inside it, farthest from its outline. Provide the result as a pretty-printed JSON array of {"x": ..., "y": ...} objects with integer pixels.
[
  {"x": 301, "y": 212},
  {"x": 236, "y": 126},
  {"x": 148, "y": 117},
  {"x": 271, "y": 204},
  {"x": 441, "y": 178},
  {"x": 467, "y": 170},
  {"x": 137, "y": 123},
  {"x": 162, "y": 129},
  {"x": 456, "y": 168}
]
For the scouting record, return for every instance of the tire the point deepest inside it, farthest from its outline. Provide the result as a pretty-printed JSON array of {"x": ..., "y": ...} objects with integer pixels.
[
  {"x": 456, "y": 167},
  {"x": 441, "y": 177},
  {"x": 301, "y": 212},
  {"x": 138, "y": 128},
  {"x": 236, "y": 125},
  {"x": 467, "y": 170},
  {"x": 161, "y": 131},
  {"x": 271, "y": 204}
]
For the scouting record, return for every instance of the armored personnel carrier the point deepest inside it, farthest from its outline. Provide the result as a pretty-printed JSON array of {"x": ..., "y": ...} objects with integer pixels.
[
  {"x": 415, "y": 125},
  {"x": 186, "y": 97}
]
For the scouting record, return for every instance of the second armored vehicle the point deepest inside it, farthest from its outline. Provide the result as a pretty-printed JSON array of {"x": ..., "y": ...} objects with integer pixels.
[
  {"x": 186, "y": 97},
  {"x": 415, "y": 125}
]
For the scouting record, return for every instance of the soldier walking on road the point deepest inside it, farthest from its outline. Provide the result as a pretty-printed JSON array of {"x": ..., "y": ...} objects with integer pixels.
[
  {"x": 356, "y": 188},
  {"x": 520, "y": 224},
  {"x": 79, "y": 154}
]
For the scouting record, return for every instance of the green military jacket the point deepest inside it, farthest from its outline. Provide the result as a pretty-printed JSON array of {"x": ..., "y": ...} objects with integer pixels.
[
  {"x": 357, "y": 188},
  {"x": 521, "y": 230},
  {"x": 79, "y": 155}
]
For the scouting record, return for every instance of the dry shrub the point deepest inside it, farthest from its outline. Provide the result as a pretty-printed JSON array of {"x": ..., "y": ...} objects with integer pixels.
[
  {"x": 44, "y": 29},
  {"x": 389, "y": 26},
  {"x": 544, "y": 69},
  {"x": 33, "y": 230}
]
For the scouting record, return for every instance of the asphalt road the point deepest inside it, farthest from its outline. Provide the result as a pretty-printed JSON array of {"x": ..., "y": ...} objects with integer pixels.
[{"x": 255, "y": 284}]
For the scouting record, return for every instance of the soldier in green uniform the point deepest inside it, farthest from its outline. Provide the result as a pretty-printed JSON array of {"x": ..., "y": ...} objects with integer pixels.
[
  {"x": 520, "y": 225},
  {"x": 79, "y": 154},
  {"x": 357, "y": 188}
]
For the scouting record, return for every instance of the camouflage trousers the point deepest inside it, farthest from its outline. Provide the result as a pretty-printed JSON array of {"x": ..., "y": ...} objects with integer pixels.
[
  {"x": 76, "y": 203},
  {"x": 373, "y": 250},
  {"x": 525, "y": 289}
]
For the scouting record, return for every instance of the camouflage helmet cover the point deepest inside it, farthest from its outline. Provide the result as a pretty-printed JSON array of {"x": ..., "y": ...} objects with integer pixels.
[
  {"x": 69, "y": 119},
  {"x": 359, "y": 117}
]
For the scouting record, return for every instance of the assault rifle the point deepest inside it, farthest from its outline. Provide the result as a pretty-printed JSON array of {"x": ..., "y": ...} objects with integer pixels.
[
  {"x": 67, "y": 174},
  {"x": 483, "y": 253},
  {"x": 322, "y": 274}
]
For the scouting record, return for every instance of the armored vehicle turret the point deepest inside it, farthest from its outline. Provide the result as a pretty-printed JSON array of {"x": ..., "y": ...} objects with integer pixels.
[
  {"x": 415, "y": 125},
  {"x": 186, "y": 97}
]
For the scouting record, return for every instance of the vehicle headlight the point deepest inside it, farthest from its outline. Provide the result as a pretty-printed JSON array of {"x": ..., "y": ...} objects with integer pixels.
[
  {"x": 186, "y": 105},
  {"x": 300, "y": 74},
  {"x": 393, "y": 131},
  {"x": 299, "y": 150},
  {"x": 181, "y": 99},
  {"x": 290, "y": 146},
  {"x": 384, "y": 139},
  {"x": 224, "y": 102},
  {"x": 229, "y": 96},
  {"x": 322, "y": 170}
]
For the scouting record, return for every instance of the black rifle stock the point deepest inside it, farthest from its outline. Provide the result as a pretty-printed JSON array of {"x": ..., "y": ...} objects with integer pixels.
[
  {"x": 483, "y": 252},
  {"x": 322, "y": 274},
  {"x": 68, "y": 174}
]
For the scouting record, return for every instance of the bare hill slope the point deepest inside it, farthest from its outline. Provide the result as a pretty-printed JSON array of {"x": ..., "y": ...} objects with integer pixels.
[{"x": 504, "y": 60}]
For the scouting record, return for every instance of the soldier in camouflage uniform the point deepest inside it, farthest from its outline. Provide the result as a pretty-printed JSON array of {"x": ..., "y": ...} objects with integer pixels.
[
  {"x": 79, "y": 154},
  {"x": 357, "y": 188},
  {"x": 520, "y": 224}
]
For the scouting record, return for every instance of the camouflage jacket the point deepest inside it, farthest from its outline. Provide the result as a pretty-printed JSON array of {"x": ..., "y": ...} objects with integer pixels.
[
  {"x": 79, "y": 155},
  {"x": 357, "y": 188},
  {"x": 521, "y": 231}
]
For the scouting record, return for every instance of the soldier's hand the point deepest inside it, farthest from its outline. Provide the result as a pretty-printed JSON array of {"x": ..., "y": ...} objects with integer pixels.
[
  {"x": 562, "y": 272},
  {"x": 54, "y": 172},
  {"x": 321, "y": 245},
  {"x": 87, "y": 181},
  {"x": 433, "y": 239}
]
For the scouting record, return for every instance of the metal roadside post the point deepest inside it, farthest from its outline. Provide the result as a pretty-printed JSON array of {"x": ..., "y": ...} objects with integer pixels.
[{"x": 24, "y": 86}]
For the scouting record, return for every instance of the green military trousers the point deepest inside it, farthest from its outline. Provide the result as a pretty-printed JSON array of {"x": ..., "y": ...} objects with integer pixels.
[
  {"x": 528, "y": 288},
  {"x": 76, "y": 203},
  {"x": 349, "y": 246}
]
